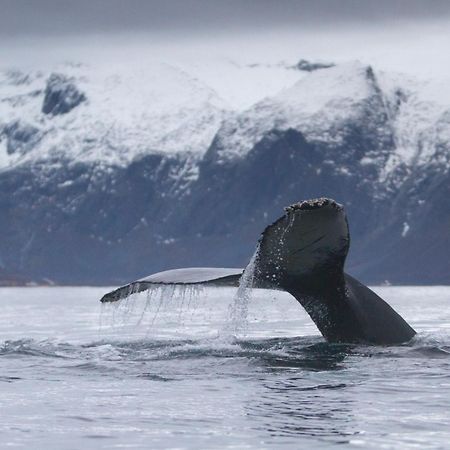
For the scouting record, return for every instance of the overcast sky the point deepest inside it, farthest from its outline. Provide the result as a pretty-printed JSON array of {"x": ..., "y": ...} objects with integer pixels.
[
  {"x": 64, "y": 17},
  {"x": 408, "y": 35}
]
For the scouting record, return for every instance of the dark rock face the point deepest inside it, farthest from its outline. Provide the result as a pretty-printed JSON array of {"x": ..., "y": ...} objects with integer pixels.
[
  {"x": 61, "y": 95},
  {"x": 309, "y": 66},
  {"x": 20, "y": 137},
  {"x": 80, "y": 224}
]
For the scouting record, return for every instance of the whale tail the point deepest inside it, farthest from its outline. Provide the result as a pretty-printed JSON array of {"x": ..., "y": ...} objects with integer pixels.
[
  {"x": 311, "y": 240},
  {"x": 303, "y": 253}
]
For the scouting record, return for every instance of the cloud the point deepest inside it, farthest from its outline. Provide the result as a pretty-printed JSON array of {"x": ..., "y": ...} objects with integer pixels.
[
  {"x": 72, "y": 17},
  {"x": 402, "y": 35}
]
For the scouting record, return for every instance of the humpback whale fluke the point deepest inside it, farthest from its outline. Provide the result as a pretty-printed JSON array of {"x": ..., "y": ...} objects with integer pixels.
[{"x": 303, "y": 253}]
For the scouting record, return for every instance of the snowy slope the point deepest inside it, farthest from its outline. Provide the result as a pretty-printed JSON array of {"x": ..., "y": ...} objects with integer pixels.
[
  {"x": 413, "y": 114},
  {"x": 158, "y": 108},
  {"x": 128, "y": 111},
  {"x": 420, "y": 116},
  {"x": 317, "y": 105}
]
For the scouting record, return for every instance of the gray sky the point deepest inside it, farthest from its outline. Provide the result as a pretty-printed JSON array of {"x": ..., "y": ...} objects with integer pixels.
[
  {"x": 73, "y": 17},
  {"x": 409, "y": 36}
]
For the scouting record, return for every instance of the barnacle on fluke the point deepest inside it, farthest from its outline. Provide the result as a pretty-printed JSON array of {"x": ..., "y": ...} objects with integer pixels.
[{"x": 313, "y": 204}]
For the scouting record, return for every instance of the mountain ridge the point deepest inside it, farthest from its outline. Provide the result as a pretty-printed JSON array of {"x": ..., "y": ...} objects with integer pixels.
[{"x": 196, "y": 187}]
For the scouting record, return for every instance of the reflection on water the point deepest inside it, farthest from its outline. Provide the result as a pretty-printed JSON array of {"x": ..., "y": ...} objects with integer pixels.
[
  {"x": 288, "y": 407},
  {"x": 299, "y": 353}
]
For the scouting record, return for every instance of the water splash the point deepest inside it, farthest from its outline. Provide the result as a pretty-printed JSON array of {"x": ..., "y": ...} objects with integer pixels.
[
  {"x": 139, "y": 309},
  {"x": 238, "y": 310}
]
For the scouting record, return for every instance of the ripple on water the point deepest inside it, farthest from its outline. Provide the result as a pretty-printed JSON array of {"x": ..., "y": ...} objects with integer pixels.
[{"x": 299, "y": 352}]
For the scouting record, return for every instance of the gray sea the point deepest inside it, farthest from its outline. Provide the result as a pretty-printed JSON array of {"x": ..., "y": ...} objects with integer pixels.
[{"x": 195, "y": 370}]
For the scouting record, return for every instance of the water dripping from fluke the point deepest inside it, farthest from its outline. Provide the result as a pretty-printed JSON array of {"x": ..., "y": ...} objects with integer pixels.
[
  {"x": 238, "y": 309},
  {"x": 143, "y": 310}
]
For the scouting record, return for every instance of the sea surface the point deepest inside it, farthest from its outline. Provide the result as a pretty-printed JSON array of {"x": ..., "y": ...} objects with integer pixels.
[{"x": 204, "y": 370}]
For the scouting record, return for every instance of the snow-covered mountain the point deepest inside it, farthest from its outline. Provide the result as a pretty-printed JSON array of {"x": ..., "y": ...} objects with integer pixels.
[
  {"x": 409, "y": 115},
  {"x": 105, "y": 114},
  {"x": 107, "y": 173}
]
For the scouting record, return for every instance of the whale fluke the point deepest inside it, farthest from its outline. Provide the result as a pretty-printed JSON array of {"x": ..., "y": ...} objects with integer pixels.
[
  {"x": 303, "y": 253},
  {"x": 206, "y": 276}
]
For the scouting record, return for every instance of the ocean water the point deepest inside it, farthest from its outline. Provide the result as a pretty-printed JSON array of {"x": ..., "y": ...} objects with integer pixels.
[{"x": 168, "y": 371}]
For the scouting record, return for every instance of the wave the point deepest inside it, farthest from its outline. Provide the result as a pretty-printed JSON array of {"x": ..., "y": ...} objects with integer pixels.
[{"x": 307, "y": 352}]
